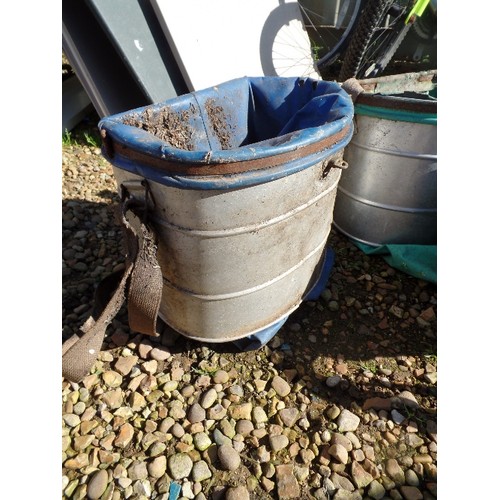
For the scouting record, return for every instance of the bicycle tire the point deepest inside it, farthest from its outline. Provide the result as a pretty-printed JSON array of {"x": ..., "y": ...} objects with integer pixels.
[
  {"x": 374, "y": 41},
  {"x": 331, "y": 27}
]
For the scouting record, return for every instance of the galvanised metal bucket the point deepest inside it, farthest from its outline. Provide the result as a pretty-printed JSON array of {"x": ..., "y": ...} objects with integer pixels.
[
  {"x": 389, "y": 193},
  {"x": 242, "y": 229}
]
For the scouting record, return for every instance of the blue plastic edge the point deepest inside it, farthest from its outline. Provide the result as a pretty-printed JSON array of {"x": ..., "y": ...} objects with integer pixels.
[
  {"x": 320, "y": 285},
  {"x": 230, "y": 181},
  {"x": 174, "y": 491}
]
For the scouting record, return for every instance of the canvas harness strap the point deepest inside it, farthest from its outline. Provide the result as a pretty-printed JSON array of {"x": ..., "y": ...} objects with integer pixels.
[{"x": 141, "y": 284}]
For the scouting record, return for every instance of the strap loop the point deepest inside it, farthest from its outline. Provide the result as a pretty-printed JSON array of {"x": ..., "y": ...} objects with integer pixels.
[{"x": 141, "y": 283}]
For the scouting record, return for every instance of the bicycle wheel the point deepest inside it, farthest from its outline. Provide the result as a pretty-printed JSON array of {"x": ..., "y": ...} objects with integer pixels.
[
  {"x": 285, "y": 47},
  {"x": 329, "y": 24},
  {"x": 378, "y": 34}
]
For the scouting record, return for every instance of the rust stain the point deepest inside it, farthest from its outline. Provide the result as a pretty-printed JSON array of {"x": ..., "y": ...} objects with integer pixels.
[{"x": 398, "y": 103}]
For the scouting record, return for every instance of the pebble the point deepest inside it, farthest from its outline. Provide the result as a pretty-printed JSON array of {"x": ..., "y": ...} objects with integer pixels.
[
  {"x": 287, "y": 484},
  {"x": 216, "y": 412},
  {"x": 411, "y": 478},
  {"x": 180, "y": 465},
  {"x": 342, "y": 440},
  {"x": 71, "y": 420},
  {"x": 137, "y": 470},
  {"x": 281, "y": 386},
  {"x": 278, "y": 442},
  {"x": 77, "y": 462},
  {"x": 333, "y": 381},
  {"x": 196, "y": 413},
  {"x": 413, "y": 440},
  {"x": 353, "y": 439},
  {"x": 289, "y": 416},
  {"x": 326, "y": 436},
  {"x": 411, "y": 493},
  {"x": 244, "y": 427},
  {"x": 177, "y": 430},
  {"x": 142, "y": 488},
  {"x": 341, "y": 482},
  {"x": 113, "y": 399},
  {"x": 342, "y": 368},
  {"x": 397, "y": 417},
  {"x": 333, "y": 412},
  {"x": 144, "y": 349},
  {"x": 137, "y": 401},
  {"x": 376, "y": 490},
  {"x": 259, "y": 415},
  {"x": 378, "y": 403},
  {"x": 346, "y": 495},
  {"x": 112, "y": 378},
  {"x": 208, "y": 398},
  {"x": 201, "y": 471},
  {"x": 229, "y": 458},
  {"x": 82, "y": 442},
  {"x": 262, "y": 454},
  {"x": 97, "y": 485},
  {"x": 159, "y": 354},
  {"x": 202, "y": 441},
  {"x": 307, "y": 455},
  {"x": 237, "y": 493},
  {"x": 125, "y": 435},
  {"x": 347, "y": 421},
  {"x": 406, "y": 398},
  {"x": 339, "y": 452},
  {"x": 360, "y": 476},
  {"x": 157, "y": 467},
  {"x": 220, "y": 377},
  {"x": 220, "y": 438},
  {"x": 241, "y": 412},
  {"x": 394, "y": 471}
]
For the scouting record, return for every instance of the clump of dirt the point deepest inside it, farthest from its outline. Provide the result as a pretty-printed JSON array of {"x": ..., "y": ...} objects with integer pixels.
[
  {"x": 218, "y": 120},
  {"x": 167, "y": 125}
]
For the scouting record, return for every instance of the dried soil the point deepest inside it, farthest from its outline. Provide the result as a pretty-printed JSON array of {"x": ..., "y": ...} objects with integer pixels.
[{"x": 167, "y": 125}]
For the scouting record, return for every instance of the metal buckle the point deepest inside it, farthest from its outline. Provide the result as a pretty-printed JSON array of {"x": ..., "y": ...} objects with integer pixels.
[{"x": 137, "y": 194}]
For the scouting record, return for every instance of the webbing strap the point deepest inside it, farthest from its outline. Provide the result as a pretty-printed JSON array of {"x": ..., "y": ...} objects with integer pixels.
[{"x": 140, "y": 283}]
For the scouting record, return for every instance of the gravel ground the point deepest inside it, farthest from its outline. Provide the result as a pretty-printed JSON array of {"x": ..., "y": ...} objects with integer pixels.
[{"x": 341, "y": 404}]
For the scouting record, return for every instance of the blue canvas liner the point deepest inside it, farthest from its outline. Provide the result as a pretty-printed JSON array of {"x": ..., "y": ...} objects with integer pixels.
[{"x": 301, "y": 120}]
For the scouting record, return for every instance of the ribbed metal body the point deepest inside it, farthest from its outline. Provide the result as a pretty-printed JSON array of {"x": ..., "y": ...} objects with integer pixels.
[
  {"x": 237, "y": 261},
  {"x": 388, "y": 195}
]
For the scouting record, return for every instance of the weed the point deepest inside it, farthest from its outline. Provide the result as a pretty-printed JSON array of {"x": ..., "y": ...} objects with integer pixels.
[
  {"x": 370, "y": 366},
  {"x": 67, "y": 138},
  {"x": 205, "y": 370},
  {"x": 315, "y": 50},
  {"x": 79, "y": 137},
  {"x": 431, "y": 358},
  {"x": 91, "y": 140},
  {"x": 411, "y": 414}
]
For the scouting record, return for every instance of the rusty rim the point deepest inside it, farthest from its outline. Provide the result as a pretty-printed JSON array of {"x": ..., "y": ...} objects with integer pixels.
[
  {"x": 398, "y": 103},
  {"x": 112, "y": 148}
]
